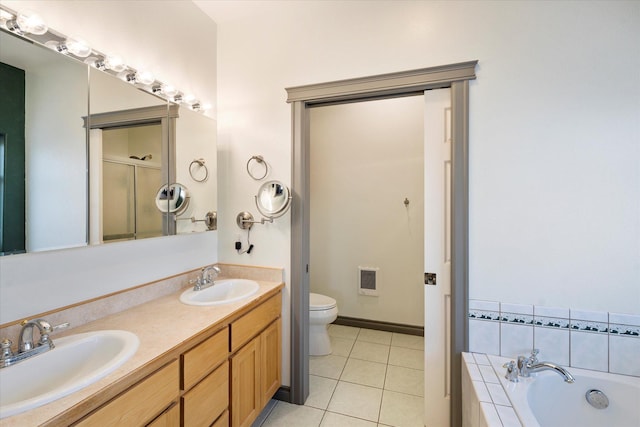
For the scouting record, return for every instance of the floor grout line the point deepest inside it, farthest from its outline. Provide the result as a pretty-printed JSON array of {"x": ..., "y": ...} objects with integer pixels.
[{"x": 383, "y": 390}]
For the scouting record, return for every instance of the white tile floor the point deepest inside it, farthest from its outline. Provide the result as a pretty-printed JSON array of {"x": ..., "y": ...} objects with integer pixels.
[{"x": 372, "y": 378}]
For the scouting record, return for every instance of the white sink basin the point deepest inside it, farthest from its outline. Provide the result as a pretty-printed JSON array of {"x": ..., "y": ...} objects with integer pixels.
[
  {"x": 75, "y": 362},
  {"x": 222, "y": 292}
]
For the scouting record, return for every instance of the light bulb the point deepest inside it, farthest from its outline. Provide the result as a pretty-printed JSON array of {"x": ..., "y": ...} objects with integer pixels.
[
  {"x": 4, "y": 17},
  {"x": 145, "y": 77},
  {"x": 169, "y": 90},
  {"x": 188, "y": 99},
  {"x": 114, "y": 63},
  {"x": 95, "y": 62},
  {"x": 31, "y": 23},
  {"x": 206, "y": 106},
  {"x": 78, "y": 47}
]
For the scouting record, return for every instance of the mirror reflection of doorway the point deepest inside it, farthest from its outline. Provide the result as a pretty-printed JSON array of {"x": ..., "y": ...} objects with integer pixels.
[{"x": 131, "y": 176}]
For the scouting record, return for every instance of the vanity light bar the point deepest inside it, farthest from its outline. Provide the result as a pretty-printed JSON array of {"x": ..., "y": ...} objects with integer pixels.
[{"x": 31, "y": 27}]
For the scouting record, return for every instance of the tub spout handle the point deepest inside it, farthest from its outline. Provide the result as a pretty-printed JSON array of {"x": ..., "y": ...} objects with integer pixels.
[{"x": 512, "y": 371}]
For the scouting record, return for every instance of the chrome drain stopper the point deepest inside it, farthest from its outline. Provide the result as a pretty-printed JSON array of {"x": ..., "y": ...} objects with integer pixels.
[{"x": 597, "y": 399}]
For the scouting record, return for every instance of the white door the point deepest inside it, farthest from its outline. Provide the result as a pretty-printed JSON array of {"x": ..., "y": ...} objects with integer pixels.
[{"x": 437, "y": 256}]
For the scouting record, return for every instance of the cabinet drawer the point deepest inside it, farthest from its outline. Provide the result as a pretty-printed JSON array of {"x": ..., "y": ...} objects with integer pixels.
[
  {"x": 141, "y": 403},
  {"x": 200, "y": 360},
  {"x": 208, "y": 399},
  {"x": 249, "y": 325}
]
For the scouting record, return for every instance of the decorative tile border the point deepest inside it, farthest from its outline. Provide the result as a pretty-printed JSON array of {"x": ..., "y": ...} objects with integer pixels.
[
  {"x": 627, "y": 330},
  {"x": 484, "y": 315},
  {"x": 551, "y": 322},
  {"x": 524, "y": 319},
  {"x": 559, "y": 333},
  {"x": 574, "y": 323}
]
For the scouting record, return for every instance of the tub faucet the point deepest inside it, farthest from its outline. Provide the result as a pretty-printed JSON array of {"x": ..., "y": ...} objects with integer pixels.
[
  {"x": 205, "y": 280},
  {"x": 512, "y": 371},
  {"x": 526, "y": 365},
  {"x": 543, "y": 366}
]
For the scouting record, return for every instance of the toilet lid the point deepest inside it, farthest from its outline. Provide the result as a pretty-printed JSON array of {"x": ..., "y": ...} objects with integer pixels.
[{"x": 320, "y": 302}]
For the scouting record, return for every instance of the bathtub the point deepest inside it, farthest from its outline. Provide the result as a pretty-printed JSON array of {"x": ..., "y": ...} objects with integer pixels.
[{"x": 545, "y": 400}]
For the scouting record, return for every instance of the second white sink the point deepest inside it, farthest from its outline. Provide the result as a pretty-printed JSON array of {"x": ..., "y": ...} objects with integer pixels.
[
  {"x": 221, "y": 292},
  {"x": 75, "y": 362}
]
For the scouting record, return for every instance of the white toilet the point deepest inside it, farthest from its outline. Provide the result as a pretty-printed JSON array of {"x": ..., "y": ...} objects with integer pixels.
[{"x": 322, "y": 311}]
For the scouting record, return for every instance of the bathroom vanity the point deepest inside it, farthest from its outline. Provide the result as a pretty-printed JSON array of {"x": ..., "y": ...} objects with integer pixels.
[{"x": 213, "y": 365}]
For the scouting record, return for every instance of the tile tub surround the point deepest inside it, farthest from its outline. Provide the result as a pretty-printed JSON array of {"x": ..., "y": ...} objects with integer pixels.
[
  {"x": 484, "y": 401},
  {"x": 89, "y": 311},
  {"x": 602, "y": 341},
  {"x": 490, "y": 400}
]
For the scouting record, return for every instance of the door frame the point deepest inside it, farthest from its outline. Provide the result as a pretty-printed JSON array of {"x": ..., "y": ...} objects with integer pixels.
[
  {"x": 163, "y": 114},
  {"x": 454, "y": 76}
]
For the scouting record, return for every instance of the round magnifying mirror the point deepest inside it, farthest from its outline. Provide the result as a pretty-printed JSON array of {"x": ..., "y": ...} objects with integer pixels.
[
  {"x": 173, "y": 198},
  {"x": 273, "y": 199}
]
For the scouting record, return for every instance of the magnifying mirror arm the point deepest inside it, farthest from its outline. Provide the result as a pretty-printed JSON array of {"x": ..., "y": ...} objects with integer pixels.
[
  {"x": 210, "y": 220},
  {"x": 262, "y": 221},
  {"x": 245, "y": 220}
]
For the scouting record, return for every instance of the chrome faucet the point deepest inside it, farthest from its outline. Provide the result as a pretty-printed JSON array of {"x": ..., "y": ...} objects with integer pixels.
[
  {"x": 204, "y": 280},
  {"x": 26, "y": 347},
  {"x": 543, "y": 366},
  {"x": 524, "y": 363},
  {"x": 527, "y": 365}
]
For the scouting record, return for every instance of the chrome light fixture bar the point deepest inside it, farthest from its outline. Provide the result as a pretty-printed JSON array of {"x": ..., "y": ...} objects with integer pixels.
[{"x": 32, "y": 28}]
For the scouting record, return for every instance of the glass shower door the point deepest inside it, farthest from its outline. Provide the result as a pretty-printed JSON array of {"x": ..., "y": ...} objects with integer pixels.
[
  {"x": 148, "y": 217},
  {"x": 129, "y": 210},
  {"x": 118, "y": 202}
]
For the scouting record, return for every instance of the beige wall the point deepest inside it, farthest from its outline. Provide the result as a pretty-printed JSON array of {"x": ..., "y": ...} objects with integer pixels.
[{"x": 366, "y": 158}]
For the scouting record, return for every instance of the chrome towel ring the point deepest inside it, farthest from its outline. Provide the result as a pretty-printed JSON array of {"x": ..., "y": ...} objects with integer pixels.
[
  {"x": 199, "y": 162},
  {"x": 259, "y": 160}
]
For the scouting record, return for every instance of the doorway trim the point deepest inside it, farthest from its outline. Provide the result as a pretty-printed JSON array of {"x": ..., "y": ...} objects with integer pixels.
[{"x": 454, "y": 76}]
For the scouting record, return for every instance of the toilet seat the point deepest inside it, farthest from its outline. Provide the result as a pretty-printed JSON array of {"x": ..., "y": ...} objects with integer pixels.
[{"x": 319, "y": 302}]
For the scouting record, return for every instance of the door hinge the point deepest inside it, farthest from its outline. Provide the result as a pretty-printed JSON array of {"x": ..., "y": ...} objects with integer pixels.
[{"x": 430, "y": 279}]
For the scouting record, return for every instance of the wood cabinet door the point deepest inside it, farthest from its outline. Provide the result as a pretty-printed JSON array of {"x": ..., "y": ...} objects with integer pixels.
[
  {"x": 245, "y": 384},
  {"x": 169, "y": 418},
  {"x": 270, "y": 365}
]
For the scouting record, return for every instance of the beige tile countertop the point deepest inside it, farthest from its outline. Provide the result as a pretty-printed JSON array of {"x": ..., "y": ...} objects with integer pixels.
[{"x": 163, "y": 326}]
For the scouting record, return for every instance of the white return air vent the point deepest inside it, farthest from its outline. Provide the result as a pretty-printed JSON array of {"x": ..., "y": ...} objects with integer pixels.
[{"x": 368, "y": 281}]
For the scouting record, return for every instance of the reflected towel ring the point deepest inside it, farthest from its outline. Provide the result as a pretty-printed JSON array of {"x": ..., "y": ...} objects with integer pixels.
[
  {"x": 202, "y": 165},
  {"x": 260, "y": 160}
]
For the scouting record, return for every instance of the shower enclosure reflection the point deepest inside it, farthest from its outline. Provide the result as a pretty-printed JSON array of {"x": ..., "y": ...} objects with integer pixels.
[
  {"x": 130, "y": 182},
  {"x": 128, "y": 161}
]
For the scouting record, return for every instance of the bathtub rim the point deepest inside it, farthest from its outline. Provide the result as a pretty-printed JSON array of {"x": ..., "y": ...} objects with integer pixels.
[{"x": 518, "y": 396}]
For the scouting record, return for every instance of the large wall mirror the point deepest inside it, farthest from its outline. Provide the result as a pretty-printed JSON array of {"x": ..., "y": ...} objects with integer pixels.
[{"x": 84, "y": 153}]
